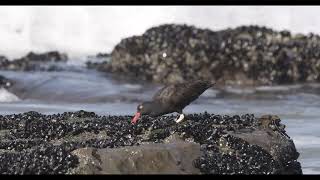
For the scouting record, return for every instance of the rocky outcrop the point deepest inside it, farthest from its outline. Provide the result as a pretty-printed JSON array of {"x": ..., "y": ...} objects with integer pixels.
[
  {"x": 84, "y": 143},
  {"x": 246, "y": 55},
  {"x": 33, "y": 61}
]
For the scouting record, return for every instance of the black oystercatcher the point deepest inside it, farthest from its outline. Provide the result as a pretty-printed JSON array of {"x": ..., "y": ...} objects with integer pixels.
[{"x": 172, "y": 98}]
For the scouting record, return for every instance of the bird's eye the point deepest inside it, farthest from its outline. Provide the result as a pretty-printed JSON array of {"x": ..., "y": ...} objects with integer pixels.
[{"x": 140, "y": 107}]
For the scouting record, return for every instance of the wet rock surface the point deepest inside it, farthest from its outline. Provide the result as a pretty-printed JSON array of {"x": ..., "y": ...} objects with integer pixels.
[
  {"x": 246, "y": 55},
  {"x": 5, "y": 83},
  {"x": 84, "y": 143},
  {"x": 33, "y": 61}
]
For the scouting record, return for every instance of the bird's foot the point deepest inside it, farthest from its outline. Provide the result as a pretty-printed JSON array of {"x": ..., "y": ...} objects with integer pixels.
[{"x": 179, "y": 118}]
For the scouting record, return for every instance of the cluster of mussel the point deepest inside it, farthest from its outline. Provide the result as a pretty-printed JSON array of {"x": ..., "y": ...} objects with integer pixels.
[
  {"x": 32, "y": 61},
  {"x": 246, "y": 55},
  {"x": 33, "y": 143}
]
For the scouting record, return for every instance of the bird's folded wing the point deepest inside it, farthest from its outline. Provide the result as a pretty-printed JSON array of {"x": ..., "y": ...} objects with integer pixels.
[
  {"x": 180, "y": 94},
  {"x": 165, "y": 94}
]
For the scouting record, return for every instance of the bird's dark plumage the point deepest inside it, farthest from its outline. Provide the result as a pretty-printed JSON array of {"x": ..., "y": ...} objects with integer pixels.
[
  {"x": 173, "y": 98},
  {"x": 180, "y": 95}
]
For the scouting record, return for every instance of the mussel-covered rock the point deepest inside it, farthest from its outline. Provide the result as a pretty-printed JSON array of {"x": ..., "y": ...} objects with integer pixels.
[
  {"x": 85, "y": 143},
  {"x": 33, "y": 61},
  {"x": 246, "y": 55}
]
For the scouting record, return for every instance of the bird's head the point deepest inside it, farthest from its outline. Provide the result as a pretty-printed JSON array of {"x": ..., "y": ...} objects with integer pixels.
[{"x": 144, "y": 108}]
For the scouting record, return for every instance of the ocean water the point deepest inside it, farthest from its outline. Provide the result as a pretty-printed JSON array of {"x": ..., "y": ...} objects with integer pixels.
[{"x": 78, "y": 88}]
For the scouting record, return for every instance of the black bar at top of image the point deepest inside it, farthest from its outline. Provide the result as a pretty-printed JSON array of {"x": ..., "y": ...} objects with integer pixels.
[{"x": 160, "y": 2}]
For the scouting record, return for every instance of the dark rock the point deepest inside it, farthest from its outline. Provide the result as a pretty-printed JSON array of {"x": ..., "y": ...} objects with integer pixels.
[
  {"x": 98, "y": 60},
  {"x": 95, "y": 65},
  {"x": 46, "y": 159},
  {"x": 5, "y": 83},
  {"x": 33, "y": 61},
  {"x": 83, "y": 142},
  {"x": 54, "y": 56},
  {"x": 246, "y": 55},
  {"x": 172, "y": 158},
  {"x": 103, "y": 55}
]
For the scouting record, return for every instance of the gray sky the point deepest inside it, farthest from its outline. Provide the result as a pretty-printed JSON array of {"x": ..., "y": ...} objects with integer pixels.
[{"x": 81, "y": 30}]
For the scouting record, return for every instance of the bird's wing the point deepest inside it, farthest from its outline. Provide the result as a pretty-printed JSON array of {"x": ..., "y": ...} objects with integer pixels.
[
  {"x": 165, "y": 94},
  {"x": 182, "y": 94}
]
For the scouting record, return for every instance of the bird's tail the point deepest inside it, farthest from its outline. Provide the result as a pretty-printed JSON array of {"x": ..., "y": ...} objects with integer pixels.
[
  {"x": 207, "y": 84},
  {"x": 210, "y": 83}
]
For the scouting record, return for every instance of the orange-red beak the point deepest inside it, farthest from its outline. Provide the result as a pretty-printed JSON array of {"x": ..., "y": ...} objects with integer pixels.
[{"x": 135, "y": 118}]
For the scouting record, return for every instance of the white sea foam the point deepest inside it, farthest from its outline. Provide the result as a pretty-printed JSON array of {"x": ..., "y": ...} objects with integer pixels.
[
  {"x": 309, "y": 171},
  {"x": 236, "y": 90},
  {"x": 132, "y": 86},
  {"x": 306, "y": 141},
  {"x": 86, "y": 30},
  {"x": 6, "y": 96},
  {"x": 278, "y": 88}
]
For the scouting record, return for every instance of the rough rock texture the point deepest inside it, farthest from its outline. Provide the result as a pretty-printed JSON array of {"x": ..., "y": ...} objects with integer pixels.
[
  {"x": 246, "y": 55},
  {"x": 33, "y": 61},
  {"x": 154, "y": 158},
  {"x": 82, "y": 142}
]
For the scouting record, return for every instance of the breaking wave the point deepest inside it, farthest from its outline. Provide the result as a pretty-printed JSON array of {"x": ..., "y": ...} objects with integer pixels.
[{"x": 6, "y": 96}]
